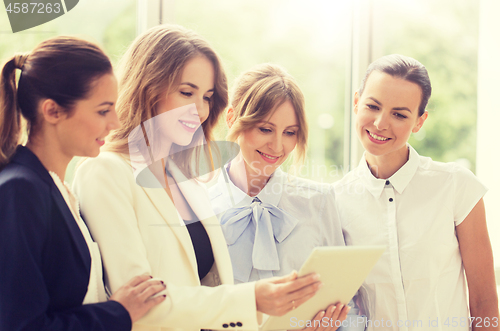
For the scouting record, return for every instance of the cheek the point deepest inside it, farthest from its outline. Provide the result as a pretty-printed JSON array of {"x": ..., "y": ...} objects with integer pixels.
[
  {"x": 403, "y": 130},
  {"x": 290, "y": 145},
  {"x": 362, "y": 119},
  {"x": 252, "y": 140}
]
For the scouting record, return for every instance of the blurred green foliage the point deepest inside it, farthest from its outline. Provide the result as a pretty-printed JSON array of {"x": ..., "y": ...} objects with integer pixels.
[
  {"x": 443, "y": 36},
  {"x": 311, "y": 40}
]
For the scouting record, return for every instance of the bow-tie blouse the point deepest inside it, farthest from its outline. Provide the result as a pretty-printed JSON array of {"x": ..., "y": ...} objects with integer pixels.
[{"x": 273, "y": 233}]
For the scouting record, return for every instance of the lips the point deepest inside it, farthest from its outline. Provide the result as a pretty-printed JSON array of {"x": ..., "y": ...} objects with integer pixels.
[
  {"x": 100, "y": 141},
  {"x": 189, "y": 125},
  {"x": 377, "y": 138},
  {"x": 268, "y": 158}
]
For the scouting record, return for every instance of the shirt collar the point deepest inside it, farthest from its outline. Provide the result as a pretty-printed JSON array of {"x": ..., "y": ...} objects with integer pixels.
[
  {"x": 399, "y": 180},
  {"x": 271, "y": 193}
]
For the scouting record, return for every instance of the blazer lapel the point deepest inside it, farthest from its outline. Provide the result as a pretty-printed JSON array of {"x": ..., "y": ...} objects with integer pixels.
[
  {"x": 170, "y": 215},
  {"x": 198, "y": 199},
  {"x": 74, "y": 230},
  {"x": 26, "y": 157}
]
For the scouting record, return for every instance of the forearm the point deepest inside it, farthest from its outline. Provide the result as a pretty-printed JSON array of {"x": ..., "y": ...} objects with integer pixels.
[{"x": 484, "y": 314}]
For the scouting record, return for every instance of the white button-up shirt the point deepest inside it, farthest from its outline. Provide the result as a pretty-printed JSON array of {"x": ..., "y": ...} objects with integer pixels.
[{"x": 419, "y": 283}]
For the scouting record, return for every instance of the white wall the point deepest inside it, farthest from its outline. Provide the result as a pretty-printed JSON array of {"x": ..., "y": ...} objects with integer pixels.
[{"x": 488, "y": 120}]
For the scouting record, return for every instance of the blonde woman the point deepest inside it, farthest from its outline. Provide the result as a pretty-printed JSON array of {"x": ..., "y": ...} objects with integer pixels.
[
  {"x": 173, "y": 90},
  {"x": 272, "y": 220}
]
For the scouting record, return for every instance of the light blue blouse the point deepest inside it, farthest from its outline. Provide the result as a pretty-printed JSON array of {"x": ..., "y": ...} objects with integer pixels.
[{"x": 300, "y": 214}]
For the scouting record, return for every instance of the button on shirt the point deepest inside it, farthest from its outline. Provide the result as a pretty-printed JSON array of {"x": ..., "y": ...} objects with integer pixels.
[
  {"x": 312, "y": 217},
  {"x": 419, "y": 283}
]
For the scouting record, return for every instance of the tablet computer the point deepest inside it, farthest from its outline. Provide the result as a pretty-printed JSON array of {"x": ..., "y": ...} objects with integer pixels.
[{"x": 342, "y": 270}]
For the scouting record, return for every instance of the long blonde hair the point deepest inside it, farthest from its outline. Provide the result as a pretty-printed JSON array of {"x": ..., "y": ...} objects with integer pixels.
[
  {"x": 150, "y": 69},
  {"x": 257, "y": 93}
]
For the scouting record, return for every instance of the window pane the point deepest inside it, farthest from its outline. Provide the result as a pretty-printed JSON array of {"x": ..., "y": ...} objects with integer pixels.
[
  {"x": 110, "y": 23},
  {"x": 309, "y": 39},
  {"x": 442, "y": 35}
]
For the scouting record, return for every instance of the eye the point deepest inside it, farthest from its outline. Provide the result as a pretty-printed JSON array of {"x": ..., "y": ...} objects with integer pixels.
[
  {"x": 372, "y": 107},
  {"x": 264, "y": 130},
  {"x": 401, "y": 116},
  {"x": 207, "y": 99},
  {"x": 103, "y": 112},
  {"x": 186, "y": 94},
  {"x": 290, "y": 133}
]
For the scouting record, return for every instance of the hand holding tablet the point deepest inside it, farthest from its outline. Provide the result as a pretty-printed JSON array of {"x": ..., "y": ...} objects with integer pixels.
[{"x": 341, "y": 270}]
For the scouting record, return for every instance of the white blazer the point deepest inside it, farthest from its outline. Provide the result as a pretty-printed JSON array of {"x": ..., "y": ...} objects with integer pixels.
[{"x": 140, "y": 231}]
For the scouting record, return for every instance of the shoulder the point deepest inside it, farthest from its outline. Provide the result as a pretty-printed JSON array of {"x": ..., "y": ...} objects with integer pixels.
[
  {"x": 108, "y": 171},
  {"x": 18, "y": 179},
  {"x": 427, "y": 166},
  {"x": 301, "y": 188},
  {"x": 106, "y": 160},
  {"x": 106, "y": 164},
  {"x": 351, "y": 178},
  {"x": 25, "y": 198}
]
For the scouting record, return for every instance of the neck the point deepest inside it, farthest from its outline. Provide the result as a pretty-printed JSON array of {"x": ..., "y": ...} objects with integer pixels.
[
  {"x": 50, "y": 155},
  {"x": 384, "y": 166},
  {"x": 245, "y": 179}
]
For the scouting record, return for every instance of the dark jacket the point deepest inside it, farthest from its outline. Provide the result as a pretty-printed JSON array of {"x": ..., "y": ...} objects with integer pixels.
[{"x": 44, "y": 259}]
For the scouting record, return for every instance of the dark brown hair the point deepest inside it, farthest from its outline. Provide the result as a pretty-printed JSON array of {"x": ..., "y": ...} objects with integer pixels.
[
  {"x": 62, "y": 69},
  {"x": 406, "y": 68}
]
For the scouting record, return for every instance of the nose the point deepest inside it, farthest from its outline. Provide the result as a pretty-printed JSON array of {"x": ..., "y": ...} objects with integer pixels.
[
  {"x": 381, "y": 121},
  {"x": 202, "y": 109},
  {"x": 276, "y": 143},
  {"x": 113, "y": 122}
]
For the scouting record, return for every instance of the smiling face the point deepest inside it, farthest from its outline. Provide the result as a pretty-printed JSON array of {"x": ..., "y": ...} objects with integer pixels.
[
  {"x": 387, "y": 113},
  {"x": 187, "y": 106},
  {"x": 82, "y": 132},
  {"x": 266, "y": 146}
]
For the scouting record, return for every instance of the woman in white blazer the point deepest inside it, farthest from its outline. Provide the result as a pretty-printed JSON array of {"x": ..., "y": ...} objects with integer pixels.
[{"x": 172, "y": 91}]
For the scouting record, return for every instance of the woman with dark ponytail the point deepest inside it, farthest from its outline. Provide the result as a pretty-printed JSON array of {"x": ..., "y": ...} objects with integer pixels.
[{"x": 50, "y": 268}]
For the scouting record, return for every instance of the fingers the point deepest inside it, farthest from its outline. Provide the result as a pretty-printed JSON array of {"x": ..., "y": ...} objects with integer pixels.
[
  {"x": 285, "y": 279},
  {"x": 154, "y": 301},
  {"x": 336, "y": 315},
  {"x": 152, "y": 291},
  {"x": 332, "y": 313},
  {"x": 148, "y": 283},
  {"x": 300, "y": 283},
  {"x": 343, "y": 313},
  {"x": 295, "y": 303},
  {"x": 316, "y": 321},
  {"x": 137, "y": 280}
]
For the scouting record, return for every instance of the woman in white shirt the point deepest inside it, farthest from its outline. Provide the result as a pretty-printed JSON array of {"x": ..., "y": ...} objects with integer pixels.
[
  {"x": 172, "y": 91},
  {"x": 430, "y": 215},
  {"x": 50, "y": 268},
  {"x": 272, "y": 220}
]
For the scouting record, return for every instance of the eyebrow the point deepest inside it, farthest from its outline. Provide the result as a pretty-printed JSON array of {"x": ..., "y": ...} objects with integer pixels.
[
  {"x": 290, "y": 126},
  {"x": 105, "y": 103},
  {"x": 395, "y": 108},
  {"x": 195, "y": 86}
]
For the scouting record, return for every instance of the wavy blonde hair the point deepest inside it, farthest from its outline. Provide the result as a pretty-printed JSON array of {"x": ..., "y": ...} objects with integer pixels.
[
  {"x": 150, "y": 69},
  {"x": 256, "y": 95}
]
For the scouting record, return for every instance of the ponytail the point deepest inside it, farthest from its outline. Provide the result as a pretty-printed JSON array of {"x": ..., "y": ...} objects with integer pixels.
[
  {"x": 10, "y": 114},
  {"x": 62, "y": 69}
]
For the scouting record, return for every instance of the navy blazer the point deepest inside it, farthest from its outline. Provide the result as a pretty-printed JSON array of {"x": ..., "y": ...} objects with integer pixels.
[{"x": 44, "y": 259}]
